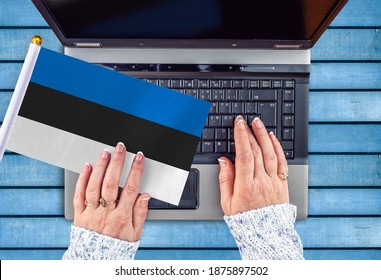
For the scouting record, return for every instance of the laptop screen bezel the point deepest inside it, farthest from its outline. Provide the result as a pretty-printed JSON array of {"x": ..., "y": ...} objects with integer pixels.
[{"x": 188, "y": 43}]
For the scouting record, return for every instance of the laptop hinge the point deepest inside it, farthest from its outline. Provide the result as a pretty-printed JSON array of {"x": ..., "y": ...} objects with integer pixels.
[
  {"x": 88, "y": 45},
  {"x": 287, "y": 47}
]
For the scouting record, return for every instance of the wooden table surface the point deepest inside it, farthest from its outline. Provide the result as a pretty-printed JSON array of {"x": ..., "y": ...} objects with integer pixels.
[{"x": 344, "y": 219}]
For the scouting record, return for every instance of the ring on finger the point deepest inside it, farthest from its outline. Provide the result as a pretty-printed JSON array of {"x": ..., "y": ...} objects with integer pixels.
[
  {"x": 104, "y": 202},
  {"x": 283, "y": 176},
  {"x": 91, "y": 204}
]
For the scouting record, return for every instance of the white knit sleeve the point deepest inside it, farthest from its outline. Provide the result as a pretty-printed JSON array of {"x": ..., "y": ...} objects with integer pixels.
[
  {"x": 90, "y": 245},
  {"x": 267, "y": 233}
]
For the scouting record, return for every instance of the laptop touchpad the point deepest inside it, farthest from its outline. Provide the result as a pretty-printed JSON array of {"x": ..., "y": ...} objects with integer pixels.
[{"x": 189, "y": 199}]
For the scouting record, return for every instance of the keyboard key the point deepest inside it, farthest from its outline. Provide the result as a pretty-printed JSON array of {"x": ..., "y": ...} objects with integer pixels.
[
  {"x": 287, "y": 145},
  {"x": 277, "y": 84},
  {"x": 227, "y": 120},
  {"x": 226, "y": 83},
  {"x": 289, "y": 84},
  {"x": 221, "y": 133},
  {"x": 268, "y": 112},
  {"x": 231, "y": 94},
  {"x": 250, "y": 108},
  {"x": 188, "y": 83},
  {"x": 215, "y": 121},
  {"x": 238, "y": 84},
  {"x": 224, "y": 108},
  {"x": 289, "y": 95},
  {"x": 265, "y": 84},
  {"x": 250, "y": 118},
  {"x": 218, "y": 94},
  {"x": 176, "y": 83},
  {"x": 237, "y": 108},
  {"x": 253, "y": 84},
  {"x": 288, "y": 134},
  {"x": 203, "y": 83},
  {"x": 207, "y": 147},
  {"x": 288, "y": 121},
  {"x": 221, "y": 147},
  {"x": 244, "y": 95},
  {"x": 215, "y": 84},
  {"x": 208, "y": 134},
  {"x": 289, "y": 154},
  {"x": 288, "y": 108},
  {"x": 231, "y": 133},
  {"x": 264, "y": 95},
  {"x": 205, "y": 94}
]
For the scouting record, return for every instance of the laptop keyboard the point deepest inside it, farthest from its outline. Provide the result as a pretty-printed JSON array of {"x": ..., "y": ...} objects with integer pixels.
[{"x": 272, "y": 100}]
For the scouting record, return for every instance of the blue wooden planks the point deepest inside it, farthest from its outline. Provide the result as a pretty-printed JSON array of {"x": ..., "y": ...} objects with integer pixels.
[
  {"x": 342, "y": 232},
  {"x": 17, "y": 170},
  {"x": 344, "y": 138},
  {"x": 344, "y": 170},
  {"x": 345, "y": 106}
]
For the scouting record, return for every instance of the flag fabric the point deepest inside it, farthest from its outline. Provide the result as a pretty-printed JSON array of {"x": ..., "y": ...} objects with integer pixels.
[{"x": 65, "y": 111}]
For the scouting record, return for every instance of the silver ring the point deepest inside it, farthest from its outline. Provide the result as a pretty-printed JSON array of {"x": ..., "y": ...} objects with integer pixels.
[{"x": 283, "y": 176}]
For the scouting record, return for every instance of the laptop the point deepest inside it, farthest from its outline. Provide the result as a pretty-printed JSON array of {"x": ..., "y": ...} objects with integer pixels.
[{"x": 249, "y": 58}]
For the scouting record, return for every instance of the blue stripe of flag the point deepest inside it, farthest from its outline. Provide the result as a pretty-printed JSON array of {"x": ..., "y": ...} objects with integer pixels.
[{"x": 120, "y": 92}]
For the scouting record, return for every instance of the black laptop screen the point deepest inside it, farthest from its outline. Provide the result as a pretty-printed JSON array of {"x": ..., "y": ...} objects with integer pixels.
[{"x": 190, "y": 19}]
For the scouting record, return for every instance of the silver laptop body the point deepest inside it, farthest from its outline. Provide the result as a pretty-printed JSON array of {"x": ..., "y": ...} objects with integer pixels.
[{"x": 152, "y": 56}]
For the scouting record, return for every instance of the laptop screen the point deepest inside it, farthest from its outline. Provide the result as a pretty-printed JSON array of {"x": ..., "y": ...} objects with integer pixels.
[{"x": 190, "y": 19}]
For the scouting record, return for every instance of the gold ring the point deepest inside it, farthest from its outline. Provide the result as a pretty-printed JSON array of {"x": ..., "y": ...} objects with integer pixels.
[
  {"x": 90, "y": 204},
  {"x": 283, "y": 176},
  {"x": 104, "y": 203}
]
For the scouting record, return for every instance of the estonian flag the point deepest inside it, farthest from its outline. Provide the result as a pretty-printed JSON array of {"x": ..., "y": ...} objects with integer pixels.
[{"x": 65, "y": 111}]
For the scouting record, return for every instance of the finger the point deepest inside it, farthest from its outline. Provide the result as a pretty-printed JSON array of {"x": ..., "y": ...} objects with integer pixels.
[
  {"x": 93, "y": 190},
  {"x": 244, "y": 161},
  {"x": 131, "y": 188},
  {"x": 226, "y": 178},
  {"x": 268, "y": 153},
  {"x": 114, "y": 171},
  {"x": 80, "y": 189},
  {"x": 140, "y": 213},
  {"x": 282, "y": 161},
  {"x": 257, "y": 153}
]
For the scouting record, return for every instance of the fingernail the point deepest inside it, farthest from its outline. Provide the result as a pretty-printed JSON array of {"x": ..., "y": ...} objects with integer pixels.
[
  {"x": 257, "y": 122},
  {"x": 145, "y": 200},
  {"x": 139, "y": 156},
  {"x": 87, "y": 166},
  {"x": 105, "y": 154},
  {"x": 241, "y": 122},
  {"x": 271, "y": 133},
  {"x": 222, "y": 162},
  {"x": 120, "y": 147}
]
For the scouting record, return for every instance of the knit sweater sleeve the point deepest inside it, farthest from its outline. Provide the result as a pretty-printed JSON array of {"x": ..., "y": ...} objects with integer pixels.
[
  {"x": 90, "y": 245},
  {"x": 267, "y": 233}
]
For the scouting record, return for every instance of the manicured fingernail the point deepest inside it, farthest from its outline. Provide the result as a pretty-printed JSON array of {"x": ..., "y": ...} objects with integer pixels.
[
  {"x": 271, "y": 133},
  {"x": 145, "y": 200},
  {"x": 105, "y": 154},
  {"x": 87, "y": 166},
  {"x": 257, "y": 122},
  {"x": 241, "y": 122},
  {"x": 139, "y": 156},
  {"x": 120, "y": 147},
  {"x": 222, "y": 162}
]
